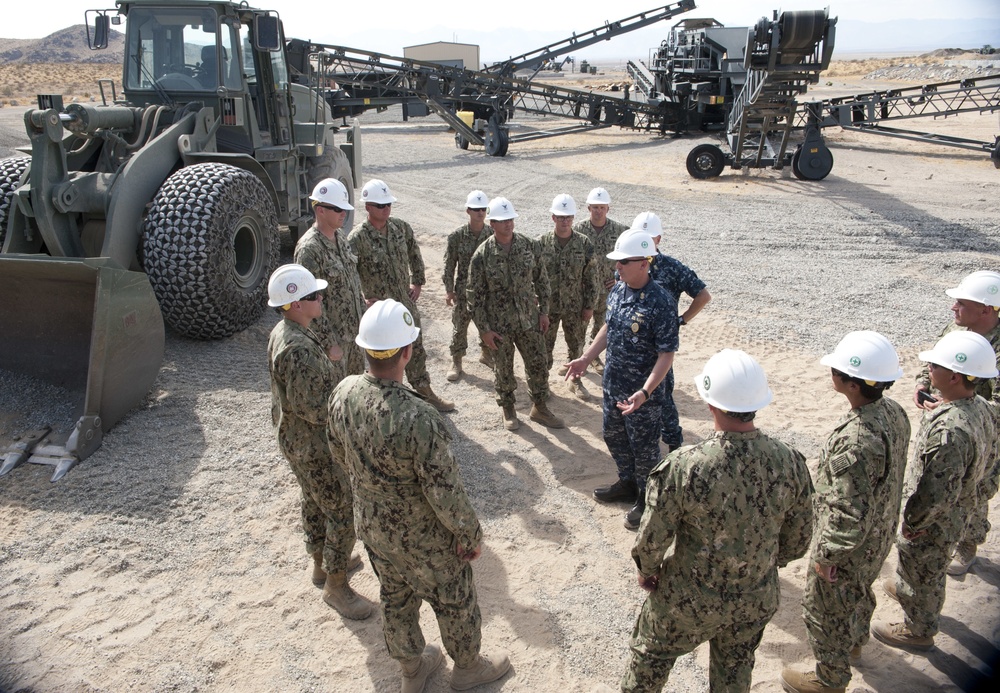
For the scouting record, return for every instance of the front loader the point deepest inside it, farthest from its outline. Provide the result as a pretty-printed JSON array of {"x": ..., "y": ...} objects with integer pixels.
[{"x": 161, "y": 206}]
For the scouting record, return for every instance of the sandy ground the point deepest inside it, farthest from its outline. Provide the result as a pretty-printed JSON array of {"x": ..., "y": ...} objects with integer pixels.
[{"x": 171, "y": 560}]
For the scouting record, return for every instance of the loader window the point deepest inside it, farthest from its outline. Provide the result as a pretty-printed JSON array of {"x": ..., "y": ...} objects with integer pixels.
[{"x": 175, "y": 50}]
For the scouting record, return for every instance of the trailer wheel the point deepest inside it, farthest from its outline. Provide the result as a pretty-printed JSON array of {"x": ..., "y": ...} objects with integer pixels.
[
  {"x": 497, "y": 140},
  {"x": 461, "y": 142},
  {"x": 813, "y": 164},
  {"x": 333, "y": 163},
  {"x": 11, "y": 171},
  {"x": 210, "y": 243},
  {"x": 706, "y": 161}
]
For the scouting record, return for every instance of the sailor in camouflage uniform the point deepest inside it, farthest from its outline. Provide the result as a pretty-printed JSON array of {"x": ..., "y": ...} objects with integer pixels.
[
  {"x": 677, "y": 278},
  {"x": 734, "y": 508},
  {"x": 390, "y": 266},
  {"x": 302, "y": 377},
  {"x": 977, "y": 302},
  {"x": 603, "y": 233},
  {"x": 569, "y": 262},
  {"x": 859, "y": 485},
  {"x": 323, "y": 250},
  {"x": 508, "y": 295},
  {"x": 640, "y": 336},
  {"x": 411, "y": 509},
  {"x": 950, "y": 455},
  {"x": 462, "y": 243}
]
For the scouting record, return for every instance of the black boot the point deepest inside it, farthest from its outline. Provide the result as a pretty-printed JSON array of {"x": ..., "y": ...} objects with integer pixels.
[
  {"x": 621, "y": 490},
  {"x": 635, "y": 514}
]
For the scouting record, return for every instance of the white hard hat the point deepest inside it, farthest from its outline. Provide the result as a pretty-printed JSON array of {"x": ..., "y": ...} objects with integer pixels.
[
  {"x": 733, "y": 381},
  {"x": 598, "y": 196},
  {"x": 981, "y": 287},
  {"x": 387, "y": 324},
  {"x": 501, "y": 209},
  {"x": 866, "y": 355},
  {"x": 563, "y": 206},
  {"x": 633, "y": 243},
  {"x": 648, "y": 222},
  {"x": 331, "y": 191},
  {"x": 477, "y": 199},
  {"x": 965, "y": 352},
  {"x": 290, "y": 283},
  {"x": 377, "y": 191}
]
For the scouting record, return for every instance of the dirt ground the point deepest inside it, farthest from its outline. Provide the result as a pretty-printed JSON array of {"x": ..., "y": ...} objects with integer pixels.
[{"x": 171, "y": 560}]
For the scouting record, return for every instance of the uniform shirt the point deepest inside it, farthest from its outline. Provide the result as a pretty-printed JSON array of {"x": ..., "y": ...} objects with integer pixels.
[
  {"x": 387, "y": 263},
  {"x": 462, "y": 243},
  {"x": 642, "y": 324},
  {"x": 674, "y": 276},
  {"x": 408, "y": 496},
  {"x": 734, "y": 508},
  {"x": 508, "y": 289},
  {"x": 949, "y": 460},
  {"x": 302, "y": 377},
  {"x": 571, "y": 272},
  {"x": 603, "y": 242},
  {"x": 988, "y": 388},
  {"x": 859, "y": 485},
  {"x": 343, "y": 302}
]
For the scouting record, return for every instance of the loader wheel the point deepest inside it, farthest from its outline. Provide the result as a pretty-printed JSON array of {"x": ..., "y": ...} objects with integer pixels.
[
  {"x": 333, "y": 163},
  {"x": 11, "y": 171},
  {"x": 812, "y": 164},
  {"x": 706, "y": 161},
  {"x": 210, "y": 242}
]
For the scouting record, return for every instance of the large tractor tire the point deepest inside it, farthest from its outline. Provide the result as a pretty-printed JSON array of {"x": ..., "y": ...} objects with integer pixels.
[
  {"x": 210, "y": 243},
  {"x": 11, "y": 171},
  {"x": 333, "y": 163}
]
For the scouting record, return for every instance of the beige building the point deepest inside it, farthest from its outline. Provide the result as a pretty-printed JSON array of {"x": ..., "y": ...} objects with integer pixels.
[{"x": 442, "y": 52}]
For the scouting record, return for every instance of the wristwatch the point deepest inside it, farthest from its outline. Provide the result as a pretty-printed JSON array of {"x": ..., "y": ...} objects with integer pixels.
[{"x": 680, "y": 320}]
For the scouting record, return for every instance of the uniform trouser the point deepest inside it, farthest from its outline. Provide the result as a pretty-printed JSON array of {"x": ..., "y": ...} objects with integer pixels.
[
  {"x": 454, "y": 603},
  {"x": 920, "y": 580},
  {"x": 633, "y": 440},
  {"x": 600, "y": 312},
  {"x": 664, "y": 632},
  {"x": 460, "y": 319},
  {"x": 531, "y": 345},
  {"x": 977, "y": 524},
  {"x": 327, "y": 510},
  {"x": 574, "y": 330},
  {"x": 671, "y": 433},
  {"x": 416, "y": 369},
  {"x": 837, "y": 618}
]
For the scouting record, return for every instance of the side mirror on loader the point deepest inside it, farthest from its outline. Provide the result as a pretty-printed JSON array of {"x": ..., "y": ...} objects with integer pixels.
[
  {"x": 101, "y": 30},
  {"x": 267, "y": 32}
]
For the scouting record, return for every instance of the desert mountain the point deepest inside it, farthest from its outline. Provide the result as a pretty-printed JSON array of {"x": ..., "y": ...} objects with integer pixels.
[{"x": 64, "y": 46}]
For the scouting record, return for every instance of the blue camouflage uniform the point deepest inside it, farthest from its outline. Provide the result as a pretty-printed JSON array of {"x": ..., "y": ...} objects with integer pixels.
[
  {"x": 642, "y": 324},
  {"x": 677, "y": 278}
]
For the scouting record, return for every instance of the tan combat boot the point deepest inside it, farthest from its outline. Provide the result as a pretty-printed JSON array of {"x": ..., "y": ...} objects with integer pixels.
[
  {"x": 441, "y": 405},
  {"x": 540, "y": 413},
  {"x": 576, "y": 387},
  {"x": 456, "y": 369},
  {"x": 597, "y": 365},
  {"x": 416, "y": 671},
  {"x": 965, "y": 556},
  {"x": 563, "y": 369},
  {"x": 348, "y": 603},
  {"x": 795, "y": 681},
  {"x": 486, "y": 358},
  {"x": 510, "y": 421},
  {"x": 319, "y": 575},
  {"x": 899, "y": 635},
  {"x": 485, "y": 669}
]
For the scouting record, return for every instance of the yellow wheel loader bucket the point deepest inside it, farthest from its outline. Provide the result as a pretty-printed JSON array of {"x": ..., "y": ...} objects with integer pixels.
[{"x": 85, "y": 325}]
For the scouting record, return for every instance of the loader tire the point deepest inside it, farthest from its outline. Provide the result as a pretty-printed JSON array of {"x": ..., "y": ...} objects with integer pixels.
[
  {"x": 333, "y": 163},
  {"x": 11, "y": 171},
  {"x": 210, "y": 243}
]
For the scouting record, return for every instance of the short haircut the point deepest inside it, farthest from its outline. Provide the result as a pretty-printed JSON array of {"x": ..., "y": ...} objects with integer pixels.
[
  {"x": 741, "y": 416},
  {"x": 872, "y": 392}
]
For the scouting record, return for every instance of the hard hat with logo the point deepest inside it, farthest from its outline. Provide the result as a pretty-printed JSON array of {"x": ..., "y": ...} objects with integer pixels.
[
  {"x": 965, "y": 352},
  {"x": 501, "y": 209},
  {"x": 981, "y": 287},
  {"x": 331, "y": 191},
  {"x": 477, "y": 199},
  {"x": 866, "y": 355},
  {"x": 563, "y": 206},
  {"x": 733, "y": 381},
  {"x": 633, "y": 243},
  {"x": 649, "y": 223},
  {"x": 598, "y": 196},
  {"x": 290, "y": 283},
  {"x": 386, "y": 326},
  {"x": 377, "y": 191}
]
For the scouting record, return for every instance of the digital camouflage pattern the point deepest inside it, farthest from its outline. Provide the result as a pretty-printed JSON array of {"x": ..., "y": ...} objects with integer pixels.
[
  {"x": 941, "y": 489},
  {"x": 573, "y": 289},
  {"x": 343, "y": 301},
  {"x": 462, "y": 243},
  {"x": 507, "y": 291},
  {"x": 642, "y": 324},
  {"x": 302, "y": 377},
  {"x": 603, "y": 241},
  {"x": 411, "y": 511},
  {"x": 859, "y": 486},
  {"x": 388, "y": 263},
  {"x": 735, "y": 508}
]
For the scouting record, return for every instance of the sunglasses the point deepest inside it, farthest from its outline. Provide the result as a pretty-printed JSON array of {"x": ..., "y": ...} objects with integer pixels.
[
  {"x": 629, "y": 260},
  {"x": 380, "y": 205},
  {"x": 332, "y": 208},
  {"x": 314, "y": 296}
]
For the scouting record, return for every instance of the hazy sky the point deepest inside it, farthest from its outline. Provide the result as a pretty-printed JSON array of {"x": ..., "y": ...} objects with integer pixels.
[{"x": 398, "y": 18}]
